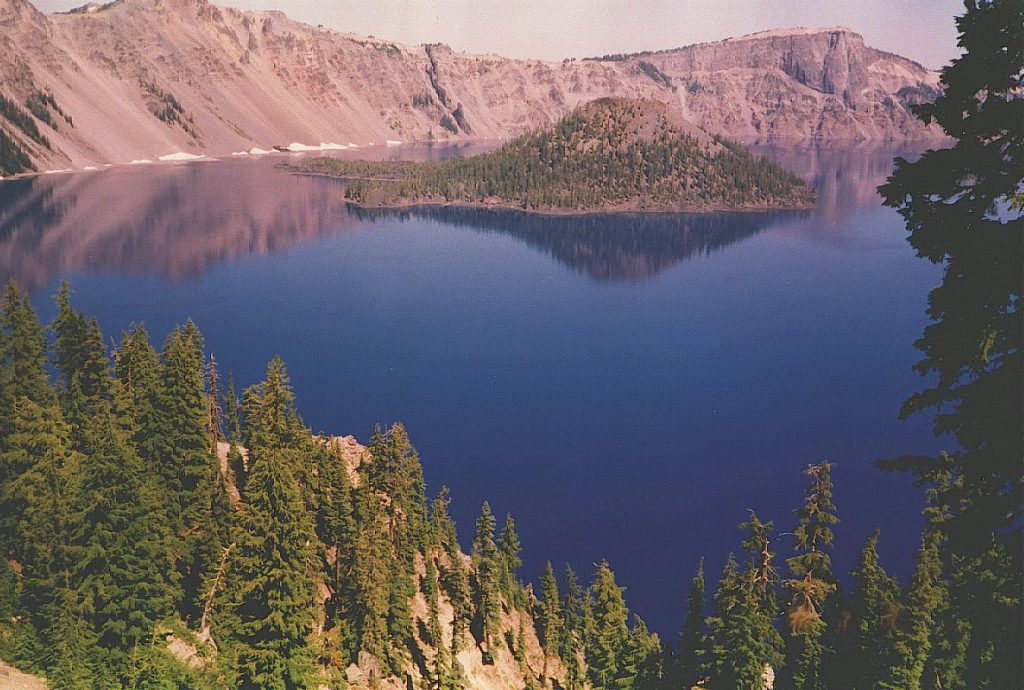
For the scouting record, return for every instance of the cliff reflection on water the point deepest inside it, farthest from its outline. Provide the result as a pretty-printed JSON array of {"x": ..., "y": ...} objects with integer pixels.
[{"x": 179, "y": 220}]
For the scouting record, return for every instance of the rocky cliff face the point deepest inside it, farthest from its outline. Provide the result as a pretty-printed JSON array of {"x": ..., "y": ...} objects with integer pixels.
[{"x": 140, "y": 79}]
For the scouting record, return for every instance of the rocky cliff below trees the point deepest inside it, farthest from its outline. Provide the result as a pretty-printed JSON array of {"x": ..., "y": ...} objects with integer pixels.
[{"x": 136, "y": 80}]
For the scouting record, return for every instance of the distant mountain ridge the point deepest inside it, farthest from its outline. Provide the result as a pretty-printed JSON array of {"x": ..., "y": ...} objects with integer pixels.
[{"x": 135, "y": 80}]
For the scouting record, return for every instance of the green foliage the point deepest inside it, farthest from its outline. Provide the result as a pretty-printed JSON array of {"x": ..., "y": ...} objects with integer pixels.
[
  {"x": 612, "y": 154},
  {"x": 488, "y": 566},
  {"x": 121, "y": 564},
  {"x": 137, "y": 367},
  {"x": 24, "y": 349},
  {"x": 371, "y": 572},
  {"x": 962, "y": 209},
  {"x": 510, "y": 549},
  {"x": 40, "y": 103},
  {"x": 22, "y": 120},
  {"x": 272, "y": 584},
  {"x": 272, "y": 421},
  {"x": 550, "y": 615},
  {"x": 655, "y": 74},
  {"x": 448, "y": 123},
  {"x": 166, "y": 108},
  {"x": 925, "y": 598},
  {"x": 876, "y": 609},
  {"x": 81, "y": 358},
  {"x": 617, "y": 657},
  {"x": 338, "y": 533},
  {"x": 812, "y": 582},
  {"x": 232, "y": 413},
  {"x": 736, "y": 650},
  {"x": 692, "y": 641},
  {"x": 578, "y": 627},
  {"x": 13, "y": 158}
]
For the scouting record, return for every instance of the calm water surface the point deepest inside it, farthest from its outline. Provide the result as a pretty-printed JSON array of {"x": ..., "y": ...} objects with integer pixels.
[{"x": 627, "y": 387}]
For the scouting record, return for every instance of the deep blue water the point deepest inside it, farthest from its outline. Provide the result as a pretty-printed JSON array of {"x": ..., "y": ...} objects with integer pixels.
[{"x": 627, "y": 387}]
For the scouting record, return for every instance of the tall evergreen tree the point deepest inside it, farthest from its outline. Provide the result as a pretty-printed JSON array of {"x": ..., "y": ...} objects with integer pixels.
[
  {"x": 606, "y": 651},
  {"x": 214, "y": 408},
  {"x": 487, "y": 561},
  {"x": 46, "y": 485},
  {"x": 187, "y": 461},
  {"x": 510, "y": 549},
  {"x": 25, "y": 348},
  {"x": 371, "y": 575},
  {"x": 138, "y": 369},
  {"x": 762, "y": 579},
  {"x": 81, "y": 358},
  {"x": 122, "y": 562},
  {"x": 338, "y": 533},
  {"x": 736, "y": 649},
  {"x": 578, "y": 620},
  {"x": 643, "y": 657},
  {"x": 454, "y": 576},
  {"x": 811, "y": 583},
  {"x": 692, "y": 641},
  {"x": 550, "y": 613},
  {"x": 272, "y": 581},
  {"x": 876, "y": 608},
  {"x": 232, "y": 414},
  {"x": 964, "y": 210},
  {"x": 271, "y": 419}
]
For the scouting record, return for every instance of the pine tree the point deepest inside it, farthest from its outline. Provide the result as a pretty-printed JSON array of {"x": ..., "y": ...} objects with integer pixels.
[
  {"x": 122, "y": 563},
  {"x": 964, "y": 210},
  {"x": 272, "y": 581},
  {"x": 372, "y": 568},
  {"x": 69, "y": 665},
  {"x": 578, "y": 621},
  {"x": 812, "y": 582},
  {"x": 454, "y": 576},
  {"x": 81, "y": 358},
  {"x": 46, "y": 484},
  {"x": 487, "y": 562},
  {"x": 606, "y": 651},
  {"x": 400, "y": 628},
  {"x": 736, "y": 649},
  {"x": 215, "y": 425},
  {"x": 271, "y": 419},
  {"x": 550, "y": 618},
  {"x": 232, "y": 416},
  {"x": 23, "y": 358},
  {"x": 188, "y": 464},
  {"x": 692, "y": 642},
  {"x": 914, "y": 638},
  {"x": 762, "y": 580},
  {"x": 137, "y": 367},
  {"x": 642, "y": 668},
  {"x": 876, "y": 608},
  {"x": 442, "y": 527},
  {"x": 338, "y": 533},
  {"x": 510, "y": 549}
]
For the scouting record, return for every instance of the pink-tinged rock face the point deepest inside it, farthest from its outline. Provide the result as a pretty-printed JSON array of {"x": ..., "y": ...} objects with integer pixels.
[{"x": 142, "y": 80}]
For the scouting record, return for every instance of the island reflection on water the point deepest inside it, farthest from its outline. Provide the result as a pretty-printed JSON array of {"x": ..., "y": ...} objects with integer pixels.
[{"x": 180, "y": 220}]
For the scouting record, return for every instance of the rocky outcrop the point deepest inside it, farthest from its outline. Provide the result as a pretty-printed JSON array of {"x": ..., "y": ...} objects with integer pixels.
[{"x": 140, "y": 79}]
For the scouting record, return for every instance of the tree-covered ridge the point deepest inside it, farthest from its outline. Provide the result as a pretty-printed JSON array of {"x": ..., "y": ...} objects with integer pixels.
[{"x": 609, "y": 155}]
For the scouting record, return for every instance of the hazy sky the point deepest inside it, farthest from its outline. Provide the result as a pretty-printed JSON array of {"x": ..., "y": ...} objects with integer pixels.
[{"x": 554, "y": 29}]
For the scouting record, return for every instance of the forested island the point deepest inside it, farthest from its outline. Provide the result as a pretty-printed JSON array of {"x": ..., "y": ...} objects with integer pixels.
[{"x": 609, "y": 155}]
